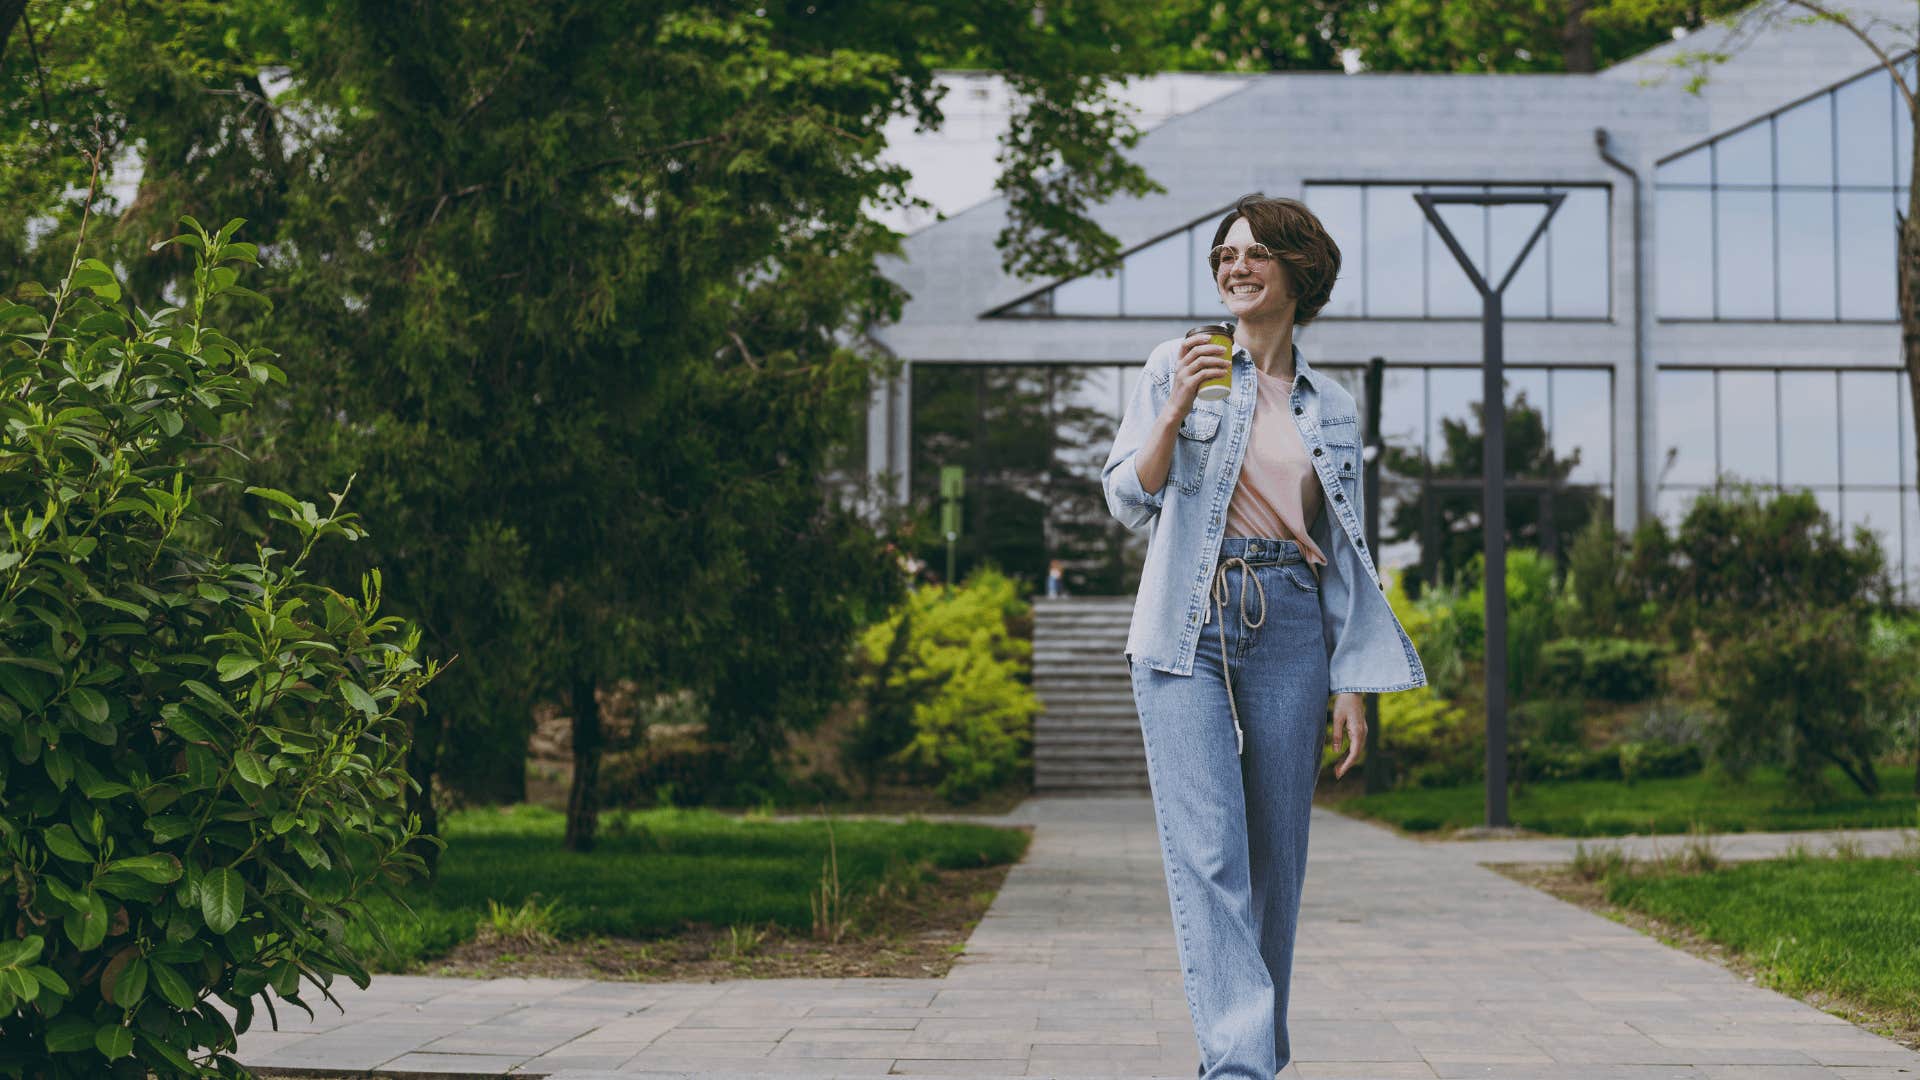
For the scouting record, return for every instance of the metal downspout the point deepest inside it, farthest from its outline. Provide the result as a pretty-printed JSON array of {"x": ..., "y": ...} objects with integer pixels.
[{"x": 1641, "y": 377}]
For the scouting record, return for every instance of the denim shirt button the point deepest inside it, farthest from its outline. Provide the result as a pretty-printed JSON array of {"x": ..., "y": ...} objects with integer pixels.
[
  {"x": 1297, "y": 410},
  {"x": 1317, "y": 451}
]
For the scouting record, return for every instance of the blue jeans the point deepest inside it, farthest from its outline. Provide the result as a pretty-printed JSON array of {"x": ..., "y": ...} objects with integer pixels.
[{"x": 1233, "y": 817}]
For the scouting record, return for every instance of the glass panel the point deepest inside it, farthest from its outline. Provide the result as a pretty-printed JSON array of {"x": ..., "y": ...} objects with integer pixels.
[
  {"x": 1526, "y": 295},
  {"x": 1749, "y": 432},
  {"x": 1683, "y": 243},
  {"x": 1910, "y": 555},
  {"x": 1829, "y": 500},
  {"x": 1394, "y": 250},
  {"x": 1745, "y": 157},
  {"x": 1204, "y": 295},
  {"x": 1529, "y": 381},
  {"x": 1693, "y": 167},
  {"x": 1869, "y": 440},
  {"x": 1744, "y": 255},
  {"x": 1452, "y": 394},
  {"x": 1338, "y": 208},
  {"x": 1809, "y": 445},
  {"x": 1879, "y": 511},
  {"x": 1154, "y": 279},
  {"x": 1806, "y": 254},
  {"x": 1090, "y": 294},
  {"x": 1671, "y": 504},
  {"x": 1580, "y": 254},
  {"x": 1803, "y": 138},
  {"x": 1403, "y": 407},
  {"x": 1449, "y": 291},
  {"x": 1582, "y": 423},
  {"x": 1865, "y": 119},
  {"x": 1078, "y": 528},
  {"x": 1867, "y": 243},
  {"x": 1686, "y": 427}
]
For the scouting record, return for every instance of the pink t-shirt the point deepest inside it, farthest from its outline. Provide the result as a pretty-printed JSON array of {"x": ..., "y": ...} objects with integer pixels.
[{"x": 1278, "y": 495}]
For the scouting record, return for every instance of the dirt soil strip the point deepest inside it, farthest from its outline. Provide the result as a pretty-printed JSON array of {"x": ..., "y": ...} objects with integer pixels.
[
  {"x": 1560, "y": 880},
  {"x": 897, "y": 936}
]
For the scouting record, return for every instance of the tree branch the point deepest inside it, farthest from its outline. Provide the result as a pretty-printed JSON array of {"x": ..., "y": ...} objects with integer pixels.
[{"x": 1847, "y": 24}]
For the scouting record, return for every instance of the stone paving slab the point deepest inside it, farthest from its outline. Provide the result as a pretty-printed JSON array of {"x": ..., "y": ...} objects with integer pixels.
[{"x": 1413, "y": 961}]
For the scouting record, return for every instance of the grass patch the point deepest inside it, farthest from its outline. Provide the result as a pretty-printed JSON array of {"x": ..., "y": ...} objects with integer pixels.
[
  {"x": 1846, "y": 927},
  {"x": 1833, "y": 928},
  {"x": 1762, "y": 803},
  {"x": 656, "y": 873}
]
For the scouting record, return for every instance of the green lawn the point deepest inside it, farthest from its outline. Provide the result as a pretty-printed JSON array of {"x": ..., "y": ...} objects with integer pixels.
[
  {"x": 1849, "y": 927},
  {"x": 1611, "y": 808},
  {"x": 655, "y": 870}
]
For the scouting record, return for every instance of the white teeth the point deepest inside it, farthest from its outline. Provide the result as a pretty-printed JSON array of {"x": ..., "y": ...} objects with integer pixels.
[{"x": 1244, "y": 289}]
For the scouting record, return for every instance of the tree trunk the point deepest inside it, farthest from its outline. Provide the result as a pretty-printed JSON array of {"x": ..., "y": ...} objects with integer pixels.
[
  {"x": 583, "y": 801},
  {"x": 423, "y": 763},
  {"x": 1578, "y": 37},
  {"x": 10, "y": 12}
]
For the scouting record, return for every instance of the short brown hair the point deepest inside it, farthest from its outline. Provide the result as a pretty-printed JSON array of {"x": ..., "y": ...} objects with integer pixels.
[{"x": 1311, "y": 258}]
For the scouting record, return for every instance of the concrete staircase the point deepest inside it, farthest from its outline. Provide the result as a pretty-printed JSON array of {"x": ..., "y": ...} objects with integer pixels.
[{"x": 1088, "y": 739}]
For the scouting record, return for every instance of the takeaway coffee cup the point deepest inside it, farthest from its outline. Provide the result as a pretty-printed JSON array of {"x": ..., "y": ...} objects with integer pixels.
[{"x": 1219, "y": 334}]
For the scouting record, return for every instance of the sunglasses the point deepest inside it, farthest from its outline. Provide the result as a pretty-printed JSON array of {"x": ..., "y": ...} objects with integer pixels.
[{"x": 1257, "y": 256}]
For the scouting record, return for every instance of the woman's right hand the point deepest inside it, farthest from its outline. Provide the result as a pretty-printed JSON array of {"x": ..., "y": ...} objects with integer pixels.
[{"x": 1201, "y": 360}]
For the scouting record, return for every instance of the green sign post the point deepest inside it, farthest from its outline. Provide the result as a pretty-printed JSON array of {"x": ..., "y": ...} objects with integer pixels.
[{"x": 952, "y": 487}]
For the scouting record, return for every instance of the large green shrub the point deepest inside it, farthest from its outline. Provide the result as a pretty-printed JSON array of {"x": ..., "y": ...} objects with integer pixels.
[
  {"x": 1610, "y": 668},
  {"x": 200, "y": 760},
  {"x": 1777, "y": 607},
  {"x": 959, "y": 675},
  {"x": 1537, "y": 606}
]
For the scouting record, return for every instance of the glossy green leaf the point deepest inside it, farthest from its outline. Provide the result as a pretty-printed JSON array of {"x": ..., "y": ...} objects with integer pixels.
[{"x": 221, "y": 896}]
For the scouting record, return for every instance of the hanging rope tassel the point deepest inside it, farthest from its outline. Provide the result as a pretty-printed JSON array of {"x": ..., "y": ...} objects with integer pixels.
[{"x": 1220, "y": 594}]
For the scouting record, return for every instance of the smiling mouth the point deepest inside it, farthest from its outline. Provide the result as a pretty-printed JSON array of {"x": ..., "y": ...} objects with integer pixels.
[{"x": 1244, "y": 290}]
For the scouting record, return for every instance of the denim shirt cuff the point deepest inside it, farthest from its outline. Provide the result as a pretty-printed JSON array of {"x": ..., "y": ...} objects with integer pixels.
[{"x": 1126, "y": 481}]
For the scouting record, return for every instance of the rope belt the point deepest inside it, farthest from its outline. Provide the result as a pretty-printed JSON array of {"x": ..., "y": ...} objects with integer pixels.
[{"x": 1220, "y": 594}]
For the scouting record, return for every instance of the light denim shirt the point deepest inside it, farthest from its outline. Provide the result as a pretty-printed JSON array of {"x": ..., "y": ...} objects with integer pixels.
[{"x": 1368, "y": 651}]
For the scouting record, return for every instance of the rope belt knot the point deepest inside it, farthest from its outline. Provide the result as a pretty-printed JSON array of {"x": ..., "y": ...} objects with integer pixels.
[{"x": 1220, "y": 593}]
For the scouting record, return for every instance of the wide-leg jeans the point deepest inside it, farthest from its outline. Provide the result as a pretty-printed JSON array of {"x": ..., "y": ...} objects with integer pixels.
[{"x": 1233, "y": 811}]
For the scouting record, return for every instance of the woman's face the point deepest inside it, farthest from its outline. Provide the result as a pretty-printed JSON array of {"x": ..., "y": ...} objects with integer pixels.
[{"x": 1251, "y": 290}]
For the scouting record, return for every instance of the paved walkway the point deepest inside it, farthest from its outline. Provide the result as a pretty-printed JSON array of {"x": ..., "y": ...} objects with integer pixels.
[{"x": 1412, "y": 961}]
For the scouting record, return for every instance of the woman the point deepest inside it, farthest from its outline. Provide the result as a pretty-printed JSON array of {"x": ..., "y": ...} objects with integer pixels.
[{"x": 1258, "y": 600}]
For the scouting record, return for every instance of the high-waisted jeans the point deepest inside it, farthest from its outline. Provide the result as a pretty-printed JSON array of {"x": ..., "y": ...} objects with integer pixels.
[{"x": 1233, "y": 818}]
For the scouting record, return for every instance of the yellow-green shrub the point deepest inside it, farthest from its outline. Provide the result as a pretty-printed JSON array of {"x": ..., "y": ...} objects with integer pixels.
[{"x": 946, "y": 686}]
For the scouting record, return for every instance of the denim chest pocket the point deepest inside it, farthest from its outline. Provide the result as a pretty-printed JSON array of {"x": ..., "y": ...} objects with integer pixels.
[
  {"x": 1342, "y": 437},
  {"x": 1198, "y": 432}
]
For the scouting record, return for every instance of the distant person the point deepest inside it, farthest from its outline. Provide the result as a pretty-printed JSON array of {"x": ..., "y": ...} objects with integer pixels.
[
  {"x": 1265, "y": 481},
  {"x": 1056, "y": 579}
]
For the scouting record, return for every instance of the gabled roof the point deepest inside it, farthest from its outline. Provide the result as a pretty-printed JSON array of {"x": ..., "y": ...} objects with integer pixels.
[{"x": 1772, "y": 59}]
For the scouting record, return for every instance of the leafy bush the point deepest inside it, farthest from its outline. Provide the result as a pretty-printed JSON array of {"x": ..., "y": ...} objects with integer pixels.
[
  {"x": 1548, "y": 721},
  {"x": 1529, "y": 760},
  {"x": 1422, "y": 731},
  {"x": 961, "y": 675},
  {"x": 1798, "y": 687},
  {"x": 1610, "y": 668},
  {"x": 1536, "y": 608},
  {"x": 203, "y": 766},
  {"x": 1746, "y": 550}
]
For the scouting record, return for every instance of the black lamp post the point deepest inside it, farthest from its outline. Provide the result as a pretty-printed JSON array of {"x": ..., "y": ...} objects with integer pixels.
[{"x": 1493, "y": 513}]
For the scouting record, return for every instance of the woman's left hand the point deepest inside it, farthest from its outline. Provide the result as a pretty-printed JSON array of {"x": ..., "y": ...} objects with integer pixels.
[{"x": 1349, "y": 723}]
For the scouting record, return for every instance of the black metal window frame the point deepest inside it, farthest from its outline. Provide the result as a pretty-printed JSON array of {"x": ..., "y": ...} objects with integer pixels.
[
  {"x": 1902, "y": 548},
  {"x": 1039, "y": 301},
  {"x": 1894, "y": 189}
]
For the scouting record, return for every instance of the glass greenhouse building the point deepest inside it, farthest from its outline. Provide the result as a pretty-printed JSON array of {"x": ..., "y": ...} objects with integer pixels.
[{"x": 1713, "y": 301}]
